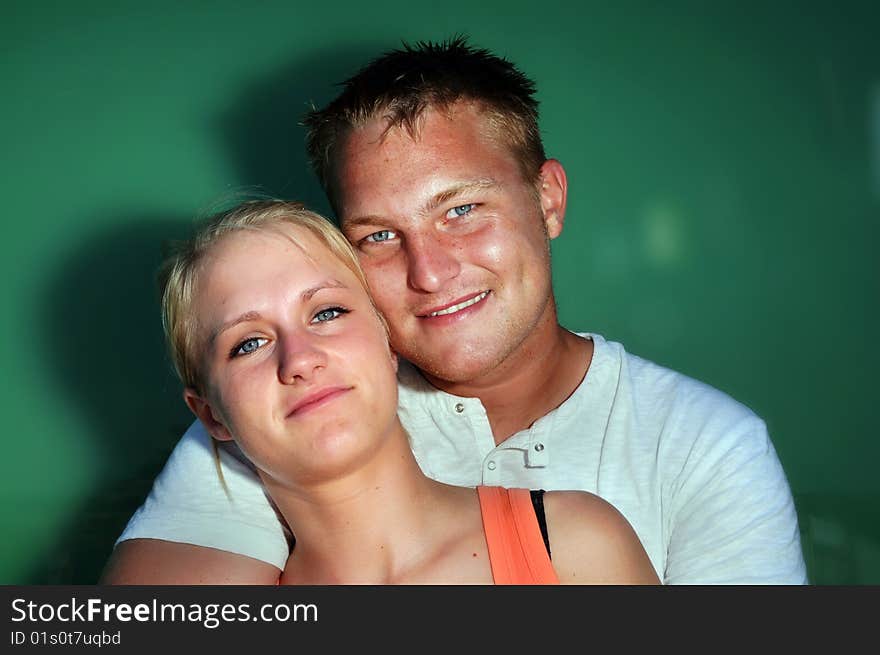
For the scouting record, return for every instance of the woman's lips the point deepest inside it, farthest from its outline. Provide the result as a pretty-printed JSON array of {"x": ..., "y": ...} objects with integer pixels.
[{"x": 317, "y": 399}]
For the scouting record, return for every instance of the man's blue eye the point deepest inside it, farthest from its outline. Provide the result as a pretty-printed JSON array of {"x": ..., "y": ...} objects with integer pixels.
[
  {"x": 248, "y": 346},
  {"x": 381, "y": 235},
  {"x": 329, "y": 314},
  {"x": 461, "y": 210}
]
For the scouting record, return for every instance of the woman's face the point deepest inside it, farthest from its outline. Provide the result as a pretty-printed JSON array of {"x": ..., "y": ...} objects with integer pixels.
[{"x": 296, "y": 365}]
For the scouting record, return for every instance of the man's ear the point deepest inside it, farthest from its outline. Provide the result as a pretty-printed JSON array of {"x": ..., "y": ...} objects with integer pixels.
[
  {"x": 203, "y": 411},
  {"x": 554, "y": 192}
]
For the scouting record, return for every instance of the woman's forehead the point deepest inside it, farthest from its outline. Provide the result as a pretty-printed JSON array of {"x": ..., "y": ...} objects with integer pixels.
[
  {"x": 289, "y": 239},
  {"x": 257, "y": 251}
]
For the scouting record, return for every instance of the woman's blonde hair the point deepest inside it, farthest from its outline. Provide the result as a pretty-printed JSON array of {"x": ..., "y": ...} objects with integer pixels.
[{"x": 179, "y": 271}]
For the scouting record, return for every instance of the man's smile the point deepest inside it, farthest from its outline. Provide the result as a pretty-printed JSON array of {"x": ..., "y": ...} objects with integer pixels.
[{"x": 455, "y": 306}]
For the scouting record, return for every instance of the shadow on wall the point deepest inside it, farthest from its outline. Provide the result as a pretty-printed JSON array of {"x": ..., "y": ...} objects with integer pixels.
[
  {"x": 102, "y": 313},
  {"x": 262, "y": 127},
  {"x": 105, "y": 339}
]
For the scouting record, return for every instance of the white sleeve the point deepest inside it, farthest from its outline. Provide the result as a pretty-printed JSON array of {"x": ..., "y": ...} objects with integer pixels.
[
  {"x": 189, "y": 504},
  {"x": 734, "y": 518}
]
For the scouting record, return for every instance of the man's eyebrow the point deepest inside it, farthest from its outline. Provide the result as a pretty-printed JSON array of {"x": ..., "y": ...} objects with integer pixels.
[
  {"x": 440, "y": 198},
  {"x": 458, "y": 190},
  {"x": 306, "y": 295},
  {"x": 371, "y": 219}
]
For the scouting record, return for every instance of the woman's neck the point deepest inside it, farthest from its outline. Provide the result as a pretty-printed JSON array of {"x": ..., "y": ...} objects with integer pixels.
[{"x": 377, "y": 524}]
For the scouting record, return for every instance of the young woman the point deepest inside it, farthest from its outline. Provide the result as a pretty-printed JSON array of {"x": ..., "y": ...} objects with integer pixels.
[{"x": 275, "y": 336}]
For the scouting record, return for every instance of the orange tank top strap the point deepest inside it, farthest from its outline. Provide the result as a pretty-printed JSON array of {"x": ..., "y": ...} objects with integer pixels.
[{"x": 517, "y": 552}]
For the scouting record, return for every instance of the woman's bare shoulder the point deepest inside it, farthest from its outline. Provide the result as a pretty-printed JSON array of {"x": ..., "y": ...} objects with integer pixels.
[{"x": 593, "y": 543}]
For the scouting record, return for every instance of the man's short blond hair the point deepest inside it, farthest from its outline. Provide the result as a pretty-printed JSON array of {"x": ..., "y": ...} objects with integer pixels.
[
  {"x": 178, "y": 275},
  {"x": 401, "y": 85}
]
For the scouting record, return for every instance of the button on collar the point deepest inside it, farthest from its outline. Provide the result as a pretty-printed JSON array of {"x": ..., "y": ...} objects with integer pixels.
[{"x": 537, "y": 455}]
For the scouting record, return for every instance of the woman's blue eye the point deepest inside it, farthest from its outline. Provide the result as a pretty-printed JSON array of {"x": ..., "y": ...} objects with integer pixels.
[
  {"x": 461, "y": 210},
  {"x": 248, "y": 346},
  {"x": 380, "y": 236},
  {"x": 329, "y": 314}
]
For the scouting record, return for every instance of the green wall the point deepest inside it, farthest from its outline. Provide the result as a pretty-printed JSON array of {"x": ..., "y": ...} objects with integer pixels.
[{"x": 724, "y": 169}]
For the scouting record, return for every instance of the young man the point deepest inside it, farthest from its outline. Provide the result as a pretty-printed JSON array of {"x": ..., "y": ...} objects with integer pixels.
[{"x": 433, "y": 162}]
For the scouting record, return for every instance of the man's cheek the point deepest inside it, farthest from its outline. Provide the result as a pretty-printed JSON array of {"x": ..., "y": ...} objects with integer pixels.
[
  {"x": 386, "y": 301},
  {"x": 383, "y": 285},
  {"x": 492, "y": 252}
]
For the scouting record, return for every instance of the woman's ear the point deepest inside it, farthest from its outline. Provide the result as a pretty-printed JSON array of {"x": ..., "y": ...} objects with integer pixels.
[{"x": 205, "y": 413}]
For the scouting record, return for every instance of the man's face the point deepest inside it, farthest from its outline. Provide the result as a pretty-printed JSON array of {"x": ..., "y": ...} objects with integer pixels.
[{"x": 452, "y": 238}]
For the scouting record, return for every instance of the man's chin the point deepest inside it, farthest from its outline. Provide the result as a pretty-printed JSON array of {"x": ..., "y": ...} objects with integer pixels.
[{"x": 453, "y": 366}]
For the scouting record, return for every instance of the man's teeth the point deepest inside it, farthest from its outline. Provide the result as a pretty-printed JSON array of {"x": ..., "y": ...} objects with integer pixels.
[{"x": 461, "y": 305}]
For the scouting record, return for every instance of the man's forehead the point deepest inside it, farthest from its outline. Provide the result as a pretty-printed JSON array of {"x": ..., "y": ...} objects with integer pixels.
[
  {"x": 454, "y": 147},
  {"x": 389, "y": 122}
]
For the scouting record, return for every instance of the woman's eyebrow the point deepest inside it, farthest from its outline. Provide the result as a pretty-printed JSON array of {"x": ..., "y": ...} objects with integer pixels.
[
  {"x": 244, "y": 318},
  {"x": 306, "y": 295},
  {"x": 329, "y": 283}
]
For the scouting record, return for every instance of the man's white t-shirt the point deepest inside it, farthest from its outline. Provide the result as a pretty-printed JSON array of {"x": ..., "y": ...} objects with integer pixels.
[{"x": 692, "y": 470}]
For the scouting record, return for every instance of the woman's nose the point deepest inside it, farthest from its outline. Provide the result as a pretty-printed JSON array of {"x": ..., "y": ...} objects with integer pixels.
[{"x": 301, "y": 359}]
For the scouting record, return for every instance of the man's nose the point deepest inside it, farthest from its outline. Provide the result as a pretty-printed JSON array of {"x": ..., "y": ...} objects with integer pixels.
[
  {"x": 431, "y": 263},
  {"x": 301, "y": 359}
]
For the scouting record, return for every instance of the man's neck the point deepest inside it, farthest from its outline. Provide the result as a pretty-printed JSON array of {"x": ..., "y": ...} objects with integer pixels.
[{"x": 535, "y": 379}]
